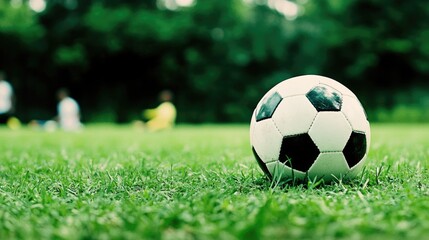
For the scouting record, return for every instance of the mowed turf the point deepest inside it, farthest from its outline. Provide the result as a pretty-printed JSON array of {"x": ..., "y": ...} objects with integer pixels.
[{"x": 201, "y": 182}]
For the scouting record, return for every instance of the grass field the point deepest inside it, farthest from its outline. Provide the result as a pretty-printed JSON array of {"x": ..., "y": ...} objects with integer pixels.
[{"x": 201, "y": 182}]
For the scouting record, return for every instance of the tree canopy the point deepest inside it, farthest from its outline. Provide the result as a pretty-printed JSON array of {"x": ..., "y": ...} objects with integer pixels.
[{"x": 219, "y": 57}]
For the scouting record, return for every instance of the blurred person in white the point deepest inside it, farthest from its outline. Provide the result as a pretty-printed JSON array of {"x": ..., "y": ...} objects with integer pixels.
[
  {"x": 6, "y": 99},
  {"x": 68, "y": 111}
]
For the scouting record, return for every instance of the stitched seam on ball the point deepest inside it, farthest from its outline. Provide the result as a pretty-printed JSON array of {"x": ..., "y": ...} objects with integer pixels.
[
  {"x": 294, "y": 95},
  {"x": 331, "y": 151},
  {"x": 312, "y": 123},
  {"x": 275, "y": 125},
  {"x": 284, "y": 164},
  {"x": 271, "y": 161},
  {"x": 348, "y": 95},
  {"x": 330, "y": 87},
  {"x": 308, "y": 131},
  {"x": 348, "y": 120}
]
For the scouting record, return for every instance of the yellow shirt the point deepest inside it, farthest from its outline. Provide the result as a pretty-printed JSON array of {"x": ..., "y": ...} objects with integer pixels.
[{"x": 161, "y": 117}]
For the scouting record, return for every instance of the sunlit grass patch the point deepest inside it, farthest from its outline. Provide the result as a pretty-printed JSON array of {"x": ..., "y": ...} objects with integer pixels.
[{"x": 201, "y": 182}]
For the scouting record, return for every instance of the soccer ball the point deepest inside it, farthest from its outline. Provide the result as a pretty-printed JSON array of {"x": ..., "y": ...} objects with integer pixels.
[{"x": 310, "y": 127}]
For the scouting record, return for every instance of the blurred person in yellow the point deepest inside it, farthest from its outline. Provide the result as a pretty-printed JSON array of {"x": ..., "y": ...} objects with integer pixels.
[
  {"x": 163, "y": 116},
  {"x": 7, "y": 104}
]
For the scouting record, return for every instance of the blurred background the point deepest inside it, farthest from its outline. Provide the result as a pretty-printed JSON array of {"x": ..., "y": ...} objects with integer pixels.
[{"x": 218, "y": 57}]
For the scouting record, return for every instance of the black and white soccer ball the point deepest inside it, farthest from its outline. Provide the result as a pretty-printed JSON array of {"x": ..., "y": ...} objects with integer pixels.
[{"x": 310, "y": 127}]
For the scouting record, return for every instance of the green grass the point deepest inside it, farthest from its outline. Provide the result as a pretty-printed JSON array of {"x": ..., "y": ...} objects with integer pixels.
[{"x": 201, "y": 182}]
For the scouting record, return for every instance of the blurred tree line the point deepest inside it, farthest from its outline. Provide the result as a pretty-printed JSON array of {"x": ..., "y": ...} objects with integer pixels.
[{"x": 219, "y": 57}]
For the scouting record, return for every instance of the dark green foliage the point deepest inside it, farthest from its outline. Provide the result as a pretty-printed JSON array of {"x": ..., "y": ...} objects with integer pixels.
[{"x": 115, "y": 56}]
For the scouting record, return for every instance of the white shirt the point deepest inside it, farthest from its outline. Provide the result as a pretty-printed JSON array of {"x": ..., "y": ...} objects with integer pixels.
[
  {"x": 68, "y": 113},
  {"x": 5, "y": 96}
]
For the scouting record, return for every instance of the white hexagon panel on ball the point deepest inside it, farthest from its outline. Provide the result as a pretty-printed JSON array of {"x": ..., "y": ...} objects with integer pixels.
[{"x": 330, "y": 131}]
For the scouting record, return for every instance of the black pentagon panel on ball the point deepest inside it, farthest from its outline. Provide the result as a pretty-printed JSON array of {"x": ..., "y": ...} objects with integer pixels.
[
  {"x": 355, "y": 148},
  {"x": 261, "y": 163},
  {"x": 268, "y": 107},
  {"x": 325, "y": 98},
  {"x": 298, "y": 152}
]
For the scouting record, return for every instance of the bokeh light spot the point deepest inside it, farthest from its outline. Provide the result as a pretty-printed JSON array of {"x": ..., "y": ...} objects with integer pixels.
[{"x": 37, "y": 5}]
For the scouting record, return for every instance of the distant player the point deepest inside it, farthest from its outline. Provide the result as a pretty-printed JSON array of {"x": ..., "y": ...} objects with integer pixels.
[
  {"x": 68, "y": 112},
  {"x": 6, "y": 99},
  {"x": 164, "y": 116}
]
